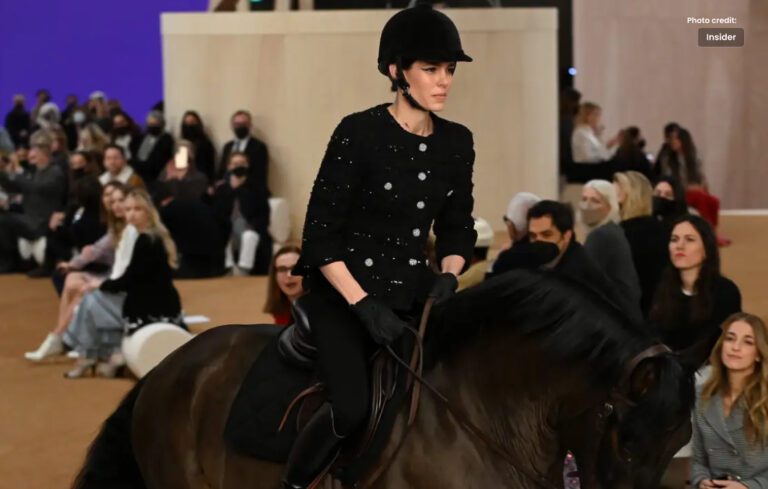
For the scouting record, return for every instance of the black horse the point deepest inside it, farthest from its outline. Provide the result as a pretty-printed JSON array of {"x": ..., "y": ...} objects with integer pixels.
[{"x": 529, "y": 366}]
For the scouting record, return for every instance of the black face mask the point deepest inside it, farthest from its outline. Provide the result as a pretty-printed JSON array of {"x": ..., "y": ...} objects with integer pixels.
[
  {"x": 240, "y": 171},
  {"x": 191, "y": 131},
  {"x": 154, "y": 130},
  {"x": 78, "y": 173},
  {"x": 663, "y": 207},
  {"x": 241, "y": 132},
  {"x": 543, "y": 252},
  {"x": 121, "y": 131},
  {"x": 113, "y": 112},
  {"x": 25, "y": 164}
]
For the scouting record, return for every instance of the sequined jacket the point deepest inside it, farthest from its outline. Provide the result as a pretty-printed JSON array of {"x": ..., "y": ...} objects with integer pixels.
[{"x": 379, "y": 190}]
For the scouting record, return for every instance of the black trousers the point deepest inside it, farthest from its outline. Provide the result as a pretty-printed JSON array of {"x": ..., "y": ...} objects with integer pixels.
[
  {"x": 12, "y": 227},
  {"x": 343, "y": 350}
]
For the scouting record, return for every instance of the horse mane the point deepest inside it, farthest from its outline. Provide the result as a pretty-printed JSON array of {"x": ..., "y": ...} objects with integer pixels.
[{"x": 570, "y": 321}]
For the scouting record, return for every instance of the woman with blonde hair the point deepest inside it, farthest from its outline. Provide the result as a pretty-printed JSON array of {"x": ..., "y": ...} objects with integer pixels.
[
  {"x": 646, "y": 235},
  {"x": 146, "y": 285},
  {"x": 730, "y": 423},
  {"x": 79, "y": 279},
  {"x": 585, "y": 141},
  {"x": 282, "y": 286}
]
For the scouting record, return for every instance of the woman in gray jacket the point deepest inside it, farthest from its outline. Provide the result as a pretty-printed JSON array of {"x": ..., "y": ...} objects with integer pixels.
[{"x": 730, "y": 424}]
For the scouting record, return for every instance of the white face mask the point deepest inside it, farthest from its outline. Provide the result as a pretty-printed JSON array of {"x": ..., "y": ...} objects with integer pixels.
[
  {"x": 591, "y": 213},
  {"x": 78, "y": 118}
]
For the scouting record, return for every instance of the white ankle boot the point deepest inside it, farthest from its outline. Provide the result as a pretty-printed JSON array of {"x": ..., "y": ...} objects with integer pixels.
[{"x": 52, "y": 345}]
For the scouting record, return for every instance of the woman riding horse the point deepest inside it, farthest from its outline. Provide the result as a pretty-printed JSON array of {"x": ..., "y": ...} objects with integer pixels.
[{"x": 388, "y": 174}]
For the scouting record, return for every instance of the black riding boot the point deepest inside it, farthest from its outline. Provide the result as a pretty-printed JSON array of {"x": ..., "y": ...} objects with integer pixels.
[{"x": 312, "y": 451}]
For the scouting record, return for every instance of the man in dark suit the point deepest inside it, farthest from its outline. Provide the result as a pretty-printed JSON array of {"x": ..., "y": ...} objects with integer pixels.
[
  {"x": 43, "y": 192},
  {"x": 244, "y": 142}
]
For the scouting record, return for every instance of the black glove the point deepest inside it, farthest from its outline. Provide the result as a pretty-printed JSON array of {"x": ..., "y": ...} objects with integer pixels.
[
  {"x": 382, "y": 324},
  {"x": 444, "y": 287}
]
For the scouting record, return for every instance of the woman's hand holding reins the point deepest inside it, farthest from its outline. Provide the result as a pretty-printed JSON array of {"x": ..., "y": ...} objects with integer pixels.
[{"x": 382, "y": 323}]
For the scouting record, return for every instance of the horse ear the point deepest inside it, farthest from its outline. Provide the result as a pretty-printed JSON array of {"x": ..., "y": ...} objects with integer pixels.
[{"x": 643, "y": 378}]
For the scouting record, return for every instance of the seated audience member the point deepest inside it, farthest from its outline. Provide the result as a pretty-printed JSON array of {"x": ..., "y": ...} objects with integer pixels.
[
  {"x": 59, "y": 148},
  {"x": 85, "y": 272},
  {"x": 242, "y": 207},
  {"x": 606, "y": 242},
  {"x": 693, "y": 298},
  {"x": 246, "y": 143},
  {"x": 550, "y": 228},
  {"x": 42, "y": 192},
  {"x": 18, "y": 122},
  {"x": 647, "y": 237},
  {"x": 193, "y": 130},
  {"x": 196, "y": 232},
  {"x": 118, "y": 169},
  {"x": 519, "y": 253},
  {"x": 669, "y": 201},
  {"x": 282, "y": 287},
  {"x": 479, "y": 263},
  {"x": 590, "y": 156},
  {"x": 155, "y": 150},
  {"x": 630, "y": 155},
  {"x": 685, "y": 165},
  {"x": 661, "y": 164},
  {"x": 93, "y": 139},
  {"x": 126, "y": 134},
  {"x": 182, "y": 177},
  {"x": 6, "y": 143},
  {"x": 98, "y": 108},
  {"x": 79, "y": 226},
  {"x": 146, "y": 285},
  {"x": 730, "y": 422}
]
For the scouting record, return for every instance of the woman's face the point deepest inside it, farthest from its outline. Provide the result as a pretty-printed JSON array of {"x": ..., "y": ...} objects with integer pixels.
[
  {"x": 136, "y": 213},
  {"x": 740, "y": 348},
  {"x": 593, "y": 119},
  {"x": 594, "y": 204},
  {"x": 191, "y": 120},
  {"x": 664, "y": 190},
  {"x": 117, "y": 203},
  {"x": 686, "y": 248},
  {"x": 289, "y": 284},
  {"x": 106, "y": 197},
  {"x": 76, "y": 162},
  {"x": 675, "y": 143},
  {"x": 237, "y": 161},
  {"x": 430, "y": 83}
]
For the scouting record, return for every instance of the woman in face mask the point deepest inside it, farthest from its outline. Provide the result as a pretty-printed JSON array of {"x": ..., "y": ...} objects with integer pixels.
[
  {"x": 606, "y": 243},
  {"x": 669, "y": 201},
  {"x": 192, "y": 129},
  {"x": 126, "y": 134}
]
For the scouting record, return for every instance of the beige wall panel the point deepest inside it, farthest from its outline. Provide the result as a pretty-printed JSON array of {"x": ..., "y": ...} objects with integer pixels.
[
  {"x": 299, "y": 73},
  {"x": 641, "y": 62}
]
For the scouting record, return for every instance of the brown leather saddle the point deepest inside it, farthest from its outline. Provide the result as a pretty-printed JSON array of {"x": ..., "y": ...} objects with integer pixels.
[{"x": 295, "y": 346}]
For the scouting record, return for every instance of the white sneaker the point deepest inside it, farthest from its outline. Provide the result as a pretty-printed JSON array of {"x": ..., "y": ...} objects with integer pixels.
[
  {"x": 51, "y": 346},
  {"x": 73, "y": 354}
]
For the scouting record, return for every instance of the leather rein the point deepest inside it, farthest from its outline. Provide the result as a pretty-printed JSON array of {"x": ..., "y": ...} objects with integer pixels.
[{"x": 415, "y": 369}]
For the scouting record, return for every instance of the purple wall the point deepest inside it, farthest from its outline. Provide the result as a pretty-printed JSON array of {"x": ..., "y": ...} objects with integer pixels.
[{"x": 78, "y": 46}]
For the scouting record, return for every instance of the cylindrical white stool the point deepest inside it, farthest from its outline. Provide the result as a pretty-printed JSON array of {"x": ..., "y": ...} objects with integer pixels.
[{"x": 148, "y": 346}]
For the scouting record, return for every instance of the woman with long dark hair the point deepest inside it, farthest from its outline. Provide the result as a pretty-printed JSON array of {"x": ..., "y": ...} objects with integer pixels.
[{"x": 693, "y": 298}]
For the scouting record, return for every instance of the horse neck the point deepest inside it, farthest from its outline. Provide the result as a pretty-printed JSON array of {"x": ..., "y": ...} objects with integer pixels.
[{"x": 510, "y": 391}]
